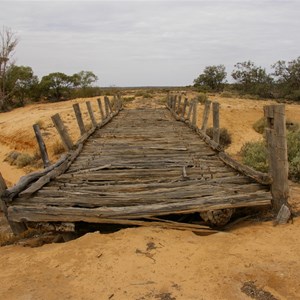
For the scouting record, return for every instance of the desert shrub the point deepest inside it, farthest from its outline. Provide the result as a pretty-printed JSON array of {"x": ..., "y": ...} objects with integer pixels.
[
  {"x": 41, "y": 124},
  {"x": 11, "y": 157},
  {"x": 24, "y": 160},
  {"x": 57, "y": 147},
  {"x": 202, "y": 97},
  {"x": 129, "y": 99},
  {"x": 225, "y": 136},
  {"x": 293, "y": 145},
  {"x": 227, "y": 94},
  {"x": 254, "y": 154},
  {"x": 144, "y": 94},
  {"x": 259, "y": 125}
]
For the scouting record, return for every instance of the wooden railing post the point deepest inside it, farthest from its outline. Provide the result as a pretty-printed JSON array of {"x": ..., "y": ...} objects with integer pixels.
[
  {"x": 190, "y": 110},
  {"x": 42, "y": 146},
  {"x": 216, "y": 122},
  {"x": 205, "y": 115},
  {"x": 178, "y": 105},
  {"x": 79, "y": 118},
  {"x": 101, "y": 109},
  {"x": 194, "y": 116},
  {"x": 277, "y": 150},
  {"x": 63, "y": 132},
  {"x": 106, "y": 102},
  {"x": 91, "y": 113},
  {"x": 184, "y": 107}
]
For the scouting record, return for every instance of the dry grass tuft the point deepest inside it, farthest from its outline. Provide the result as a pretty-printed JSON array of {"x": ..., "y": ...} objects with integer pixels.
[{"x": 57, "y": 148}]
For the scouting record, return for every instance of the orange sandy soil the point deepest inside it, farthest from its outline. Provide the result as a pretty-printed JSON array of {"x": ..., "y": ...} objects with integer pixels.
[{"x": 151, "y": 263}]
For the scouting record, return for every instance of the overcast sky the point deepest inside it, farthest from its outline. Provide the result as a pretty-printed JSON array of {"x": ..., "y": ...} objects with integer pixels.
[{"x": 138, "y": 43}]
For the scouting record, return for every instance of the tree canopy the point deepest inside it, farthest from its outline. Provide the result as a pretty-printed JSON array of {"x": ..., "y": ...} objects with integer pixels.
[{"x": 212, "y": 78}]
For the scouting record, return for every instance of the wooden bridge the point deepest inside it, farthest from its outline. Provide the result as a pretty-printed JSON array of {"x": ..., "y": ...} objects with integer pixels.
[{"x": 134, "y": 168}]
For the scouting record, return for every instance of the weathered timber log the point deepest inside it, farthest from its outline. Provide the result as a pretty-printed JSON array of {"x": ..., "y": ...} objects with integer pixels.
[
  {"x": 178, "y": 104},
  {"x": 101, "y": 109},
  {"x": 63, "y": 132},
  {"x": 24, "y": 181},
  {"x": 106, "y": 105},
  {"x": 79, "y": 119},
  {"x": 277, "y": 154},
  {"x": 42, "y": 146},
  {"x": 194, "y": 117},
  {"x": 185, "y": 103},
  {"x": 52, "y": 174},
  {"x": 190, "y": 110},
  {"x": 71, "y": 214},
  {"x": 16, "y": 227},
  {"x": 216, "y": 122},
  {"x": 109, "y": 104},
  {"x": 91, "y": 113},
  {"x": 205, "y": 115},
  {"x": 260, "y": 177}
]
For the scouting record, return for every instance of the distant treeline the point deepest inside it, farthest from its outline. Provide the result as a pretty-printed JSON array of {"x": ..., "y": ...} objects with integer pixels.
[{"x": 282, "y": 83}]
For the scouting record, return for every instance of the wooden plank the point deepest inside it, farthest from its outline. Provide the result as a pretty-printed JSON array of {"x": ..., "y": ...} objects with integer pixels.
[
  {"x": 205, "y": 115},
  {"x": 42, "y": 146},
  {"x": 91, "y": 113},
  {"x": 277, "y": 150},
  {"x": 79, "y": 118},
  {"x": 72, "y": 214},
  {"x": 216, "y": 122},
  {"x": 63, "y": 132}
]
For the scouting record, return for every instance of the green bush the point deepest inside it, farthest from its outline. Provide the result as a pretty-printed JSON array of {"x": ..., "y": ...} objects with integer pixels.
[
  {"x": 24, "y": 160},
  {"x": 259, "y": 125},
  {"x": 225, "y": 136},
  {"x": 202, "y": 97},
  {"x": 227, "y": 94},
  {"x": 254, "y": 154}
]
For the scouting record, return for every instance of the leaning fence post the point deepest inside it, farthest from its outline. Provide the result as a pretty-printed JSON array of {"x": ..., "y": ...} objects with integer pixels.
[
  {"x": 16, "y": 227},
  {"x": 184, "y": 107},
  {"x": 100, "y": 108},
  {"x": 277, "y": 150},
  {"x": 106, "y": 102},
  {"x": 63, "y": 132},
  {"x": 194, "y": 116},
  {"x": 178, "y": 105},
  {"x": 42, "y": 146},
  {"x": 216, "y": 122},
  {"x": 91, "y": 113},
  {"x": 79, "y": 118},
  {"x": 190, "y": 110},
  {"x": 205, "y": 115}
]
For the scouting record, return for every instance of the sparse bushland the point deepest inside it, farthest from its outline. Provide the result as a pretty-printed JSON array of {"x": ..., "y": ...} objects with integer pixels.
[
  {"x": 22, "y": 160},
  {"x": 260, "y": 125}
]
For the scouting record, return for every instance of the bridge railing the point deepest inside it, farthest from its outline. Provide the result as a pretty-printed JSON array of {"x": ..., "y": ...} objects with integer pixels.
[
  {"x": 32, "y": 182},
  {"x": 277, "y": 177}
]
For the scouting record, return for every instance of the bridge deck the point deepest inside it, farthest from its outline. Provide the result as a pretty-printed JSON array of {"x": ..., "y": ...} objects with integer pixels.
[{"x": 143, "y": 163}]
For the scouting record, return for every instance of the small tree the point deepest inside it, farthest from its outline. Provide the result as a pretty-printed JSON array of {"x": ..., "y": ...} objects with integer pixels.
[
  {"x": 84, "y": 79},
  {"x": 56, "y": 86},
  {"x": 287, "y": 76},
  {"x": 21, "y": 84},
  {"x": 252, "y": 79},
  {"x": 213, "y": 78},
  {"x": 8, "y": 43}
]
